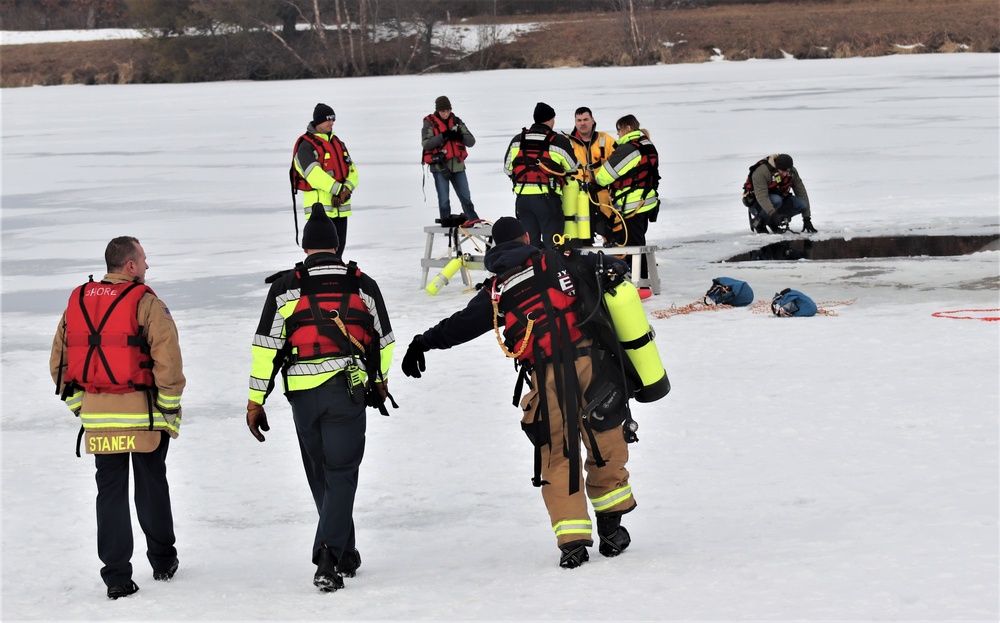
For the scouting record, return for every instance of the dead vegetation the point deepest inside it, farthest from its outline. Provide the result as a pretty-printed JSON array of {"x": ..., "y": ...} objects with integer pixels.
[{"x": 804, "y": 29}]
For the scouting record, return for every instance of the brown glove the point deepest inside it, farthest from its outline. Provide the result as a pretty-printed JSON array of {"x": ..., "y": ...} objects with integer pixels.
[
  {"x": 382, "y": 387},
  {"x": 256, "y": 419},
  {"x": 344, "y": 195}
]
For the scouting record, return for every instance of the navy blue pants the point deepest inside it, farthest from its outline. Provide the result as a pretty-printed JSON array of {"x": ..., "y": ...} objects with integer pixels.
[
  {"x": 341, "y": 224},
  {"x": 636, "y": 227},
  {"x": 152, "y": 506},
  {"x": 331, "y": 430},
  {"x": 541, "y": 216}
]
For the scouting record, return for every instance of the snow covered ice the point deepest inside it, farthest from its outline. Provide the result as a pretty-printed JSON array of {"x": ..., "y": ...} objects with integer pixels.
[{"x": 839, "y": 467}]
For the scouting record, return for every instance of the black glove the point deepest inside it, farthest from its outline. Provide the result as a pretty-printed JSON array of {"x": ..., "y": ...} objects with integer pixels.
[
  {"x": 413, "y": 360},
  {"x": 454, "y": 134},
  {"x": 807, "y": 225}
]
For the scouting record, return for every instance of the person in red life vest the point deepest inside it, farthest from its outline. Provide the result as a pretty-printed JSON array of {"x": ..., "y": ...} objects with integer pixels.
[
  {"x": 116, "y": 360},
  {"x": 325, "y": 327},
  {"x": 591, "y": 148},
  {"x": 632, "y": 173},
  {"x": 444, "y": 138},
  {"x": 537, "y": 163},
  {"x": 534, "y": 298},
  {"x": 323, "y": 170},
  {"x": 774, "y": 193}
]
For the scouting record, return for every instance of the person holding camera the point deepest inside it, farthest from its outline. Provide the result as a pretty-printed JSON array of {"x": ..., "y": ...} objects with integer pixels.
[{"x": 446, "y": 139}]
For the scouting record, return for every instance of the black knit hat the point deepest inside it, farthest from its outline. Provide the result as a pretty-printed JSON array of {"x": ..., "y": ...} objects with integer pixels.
[
  {"x": 442, "y": 103},
  {"x": 543, "y": 112},
  {"x": 322, "y": 113},
  {"x": 319, "y": 232},
  {"x": 783, "y": 162},
  {"x": 507, "y": 228}
]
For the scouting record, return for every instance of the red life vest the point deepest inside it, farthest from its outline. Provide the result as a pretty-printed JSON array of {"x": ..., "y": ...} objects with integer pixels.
[
  {"x": 338, "y": 164},
  {"x": 105, "y": 349},
  {"x": 326, "y": 298},
  {"x": 547, "y": 295},
  {"x": 777, "y": 185},
  {"x": 532, "y": 159},
  {"x": 451, "y": 148},
  {"x": 644, "y": 175}
]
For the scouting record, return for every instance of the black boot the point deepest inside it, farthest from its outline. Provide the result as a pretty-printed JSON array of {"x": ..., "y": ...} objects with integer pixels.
[
  {"x": 327, "y": 578},
  {"x": 614, "y": 537},
  {"x": 123, "y": 590},
  {"x": 574, "y": 554},
  {"x": 167, "y": 574},
  {"x": 349, "y": 563}
]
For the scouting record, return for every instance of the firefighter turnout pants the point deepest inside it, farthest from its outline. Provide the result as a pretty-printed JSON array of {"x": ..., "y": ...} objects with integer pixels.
[{"x": 606, "y": 487}]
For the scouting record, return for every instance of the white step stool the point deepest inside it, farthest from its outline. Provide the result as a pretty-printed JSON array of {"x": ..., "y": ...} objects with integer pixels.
[
  {"x": 636, "y": 253},
  {"x": 475, "y": 237}
]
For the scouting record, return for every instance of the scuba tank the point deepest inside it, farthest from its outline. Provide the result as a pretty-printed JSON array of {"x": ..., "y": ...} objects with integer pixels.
[
  {"x": 570, "y": 194},
  {"x": 583, "y": 216},
  {"x": 441, "y": 279},
  {"x": 629, "y": 319}
]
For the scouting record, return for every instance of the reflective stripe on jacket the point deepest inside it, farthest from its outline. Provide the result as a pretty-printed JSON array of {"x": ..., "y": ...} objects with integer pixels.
[
  {"x": 632, "y": 174},
  {"x": 538, "y": 160},
  {"x": 325, "y": 168},
  {"x": 131, "y": 410},
  {"x": 272, "y": 351}
]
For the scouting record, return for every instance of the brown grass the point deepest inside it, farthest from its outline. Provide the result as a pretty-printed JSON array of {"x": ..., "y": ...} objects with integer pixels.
[{"x": 805, "y": 29}]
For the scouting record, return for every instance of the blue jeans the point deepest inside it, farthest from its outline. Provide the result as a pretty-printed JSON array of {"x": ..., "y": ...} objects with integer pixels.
[
  {"x": 788, "y": 206},
  {"x": 442, "y": 179}
]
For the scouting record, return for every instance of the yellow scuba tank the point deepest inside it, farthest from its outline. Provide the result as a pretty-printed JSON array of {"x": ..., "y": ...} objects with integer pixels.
[
  {"x": 636, "y": 336},
  {"x": 441, "y": 279},
  {"x": 570, "y": 194},
  {"x": 583, "y": 216}
]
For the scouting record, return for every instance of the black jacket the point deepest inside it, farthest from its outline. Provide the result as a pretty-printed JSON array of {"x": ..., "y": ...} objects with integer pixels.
[{"x": 477, "y": 317}]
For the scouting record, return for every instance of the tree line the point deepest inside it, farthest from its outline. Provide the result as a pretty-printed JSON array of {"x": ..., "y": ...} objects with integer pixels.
[{"x": 203, "y": 40}]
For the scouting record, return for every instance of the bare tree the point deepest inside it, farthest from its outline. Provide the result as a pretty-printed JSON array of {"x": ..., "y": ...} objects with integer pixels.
[{"x": 639, "y": 48}]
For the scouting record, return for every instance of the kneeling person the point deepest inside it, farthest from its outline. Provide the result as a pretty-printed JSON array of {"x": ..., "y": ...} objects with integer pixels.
[{"x": 774, "y": 193}]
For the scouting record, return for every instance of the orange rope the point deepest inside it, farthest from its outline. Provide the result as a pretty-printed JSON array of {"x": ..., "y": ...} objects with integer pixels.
[
  {"x": 760, "y": 307},
  {"x": 700, "y": 305},
  {"x": 550, "y": 171},
  {"x": 764, "y": 307}
]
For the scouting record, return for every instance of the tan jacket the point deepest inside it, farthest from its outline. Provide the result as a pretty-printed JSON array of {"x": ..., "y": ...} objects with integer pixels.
[{"x": 131, "y": 411}]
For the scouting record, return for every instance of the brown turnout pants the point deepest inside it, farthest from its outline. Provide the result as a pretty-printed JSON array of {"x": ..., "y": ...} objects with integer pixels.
[{"x": 606, "y": 487}]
